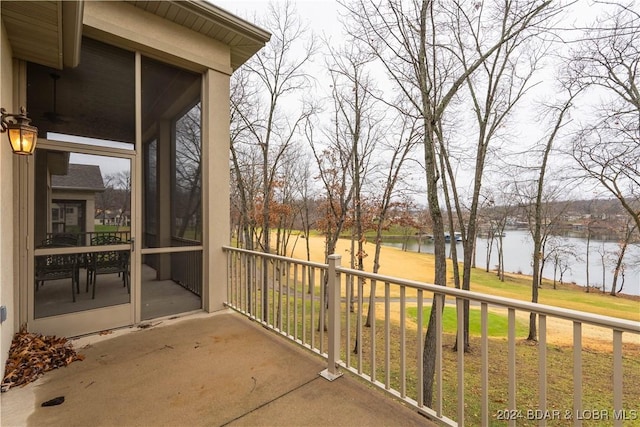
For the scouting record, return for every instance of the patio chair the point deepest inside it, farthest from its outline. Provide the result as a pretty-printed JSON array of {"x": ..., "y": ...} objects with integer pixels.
[
  {"x": 56, "y": 267},
  {"x": 107, "y": 262},
  {"x": 98, "y": 240}
]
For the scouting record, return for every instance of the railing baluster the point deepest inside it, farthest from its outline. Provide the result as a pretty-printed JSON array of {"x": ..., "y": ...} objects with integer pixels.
[
  {"x": 419, "y": 350},
  {"x": 231, "y": 272},
  {"x": 288, "y": 295},
  {"x": 348, "y": 299},
  {"x": 303, "y": 297},
  {"x": 235, "y": 271},
  {"x": 295, "y": 301},
  {"x": 323, "y": 308},
  {"x": 256, "y": 287},
  {"x": 237, "y": 277},
  {"x": 460, "y": 359},
  {"x": 439, "y": 300},
  {"x": 577, "y": 373},
  {"x": 276, "y": 319},
  {"x": 372, "y": 331},
  {"x": 617, "y": 377},
  {"x": 542, "y": 366},
  {"x": 403, "y": 342},
  {"x": 484, "y": 363},
  {"x": 511, "y": 364},
  {"x": 313, "y": 308},
  {"x": 263, "y": 289},
  {"x": 387, "y": 336},
  {"x": 359, "y": 325},
  {"x": 252, "y": 281}
]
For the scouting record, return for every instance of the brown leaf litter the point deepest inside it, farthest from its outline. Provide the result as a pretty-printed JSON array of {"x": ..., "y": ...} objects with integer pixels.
[{"x": 31, "y": 355}]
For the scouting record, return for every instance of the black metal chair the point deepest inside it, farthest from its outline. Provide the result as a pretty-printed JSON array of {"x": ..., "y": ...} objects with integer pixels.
[
  {"x": 56, "y": 267},
  {"x": 107, "y": 262}
]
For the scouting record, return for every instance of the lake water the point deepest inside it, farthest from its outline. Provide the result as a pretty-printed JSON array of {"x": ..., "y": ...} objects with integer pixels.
[{"x": 518, "y": 253}]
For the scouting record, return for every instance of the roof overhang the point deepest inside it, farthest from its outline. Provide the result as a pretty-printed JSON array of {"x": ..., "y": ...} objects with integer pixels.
[
  {"x": 49, "y": 33},
  {"x": 244, "y": 38},
  {"x": 44, "y": 32}
]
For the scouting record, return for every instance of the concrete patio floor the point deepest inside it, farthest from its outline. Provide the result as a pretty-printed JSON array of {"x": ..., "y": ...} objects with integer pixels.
[{"x": 201, "y": 370}]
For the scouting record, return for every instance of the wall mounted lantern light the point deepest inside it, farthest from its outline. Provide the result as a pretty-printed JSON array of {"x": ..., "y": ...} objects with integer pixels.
[{"x": 22, "y": 136}]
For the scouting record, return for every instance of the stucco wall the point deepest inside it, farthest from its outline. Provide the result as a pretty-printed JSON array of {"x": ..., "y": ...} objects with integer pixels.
[
  {"x": 8, "y": 327},
  {"x": 126, "y": 26},
  {"x": 216, "y": 183}
]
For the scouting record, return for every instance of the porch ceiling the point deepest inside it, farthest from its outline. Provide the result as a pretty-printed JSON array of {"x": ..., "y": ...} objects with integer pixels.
[{"x": 44, "y": 32}]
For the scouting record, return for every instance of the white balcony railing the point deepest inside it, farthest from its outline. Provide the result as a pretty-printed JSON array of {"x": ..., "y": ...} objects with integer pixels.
[{"x": 325, "y": 307}]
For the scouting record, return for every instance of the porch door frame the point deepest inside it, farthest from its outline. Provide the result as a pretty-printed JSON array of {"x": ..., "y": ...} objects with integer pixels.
[{"x": 93, "y": 320}]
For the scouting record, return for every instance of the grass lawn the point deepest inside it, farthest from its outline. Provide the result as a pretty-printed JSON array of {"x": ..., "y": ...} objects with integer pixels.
[{"x": 497, "y": 323}]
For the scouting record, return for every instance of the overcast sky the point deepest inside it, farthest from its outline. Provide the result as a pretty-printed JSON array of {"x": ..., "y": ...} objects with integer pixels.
[
  {"x": 321, "y": 14},
  {"x": 322, "y": 17}
]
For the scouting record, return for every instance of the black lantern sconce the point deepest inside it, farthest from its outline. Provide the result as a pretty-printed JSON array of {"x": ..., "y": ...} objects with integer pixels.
[{"x": 22, "y": 136}]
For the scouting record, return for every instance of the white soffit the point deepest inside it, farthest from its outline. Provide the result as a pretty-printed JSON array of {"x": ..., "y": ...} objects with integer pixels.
[{"x": 44, "y": 32}]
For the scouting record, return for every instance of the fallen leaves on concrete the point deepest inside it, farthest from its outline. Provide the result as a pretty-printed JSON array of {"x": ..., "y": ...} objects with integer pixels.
[{"x": 31, "y": 355}]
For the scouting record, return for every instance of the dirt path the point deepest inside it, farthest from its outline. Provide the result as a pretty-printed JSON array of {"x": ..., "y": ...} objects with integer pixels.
[{"x": 560, "y": 332}]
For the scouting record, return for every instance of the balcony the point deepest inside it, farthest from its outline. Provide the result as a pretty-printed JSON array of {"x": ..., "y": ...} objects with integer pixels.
[
  {"x": 236, "y": 368},
  {"x": 504, "y": 378}
]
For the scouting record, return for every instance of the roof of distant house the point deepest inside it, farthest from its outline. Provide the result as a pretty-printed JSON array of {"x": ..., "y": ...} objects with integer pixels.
[{"x": 79, "y": 178}]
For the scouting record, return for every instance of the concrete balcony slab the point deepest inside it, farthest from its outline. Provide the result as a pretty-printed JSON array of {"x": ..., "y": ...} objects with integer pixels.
[{"x": 200, "y": 370}]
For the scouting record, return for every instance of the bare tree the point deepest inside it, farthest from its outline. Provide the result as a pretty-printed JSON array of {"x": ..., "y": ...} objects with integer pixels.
[
  {"x": 189, "y": 174},
  {"x": 118, "y": 187},
  {"x": 537, "y": 220},
  {"x": 500, "y": 215},
  {"x": 276, "y": 73},
  {"x": 607, "y": 61},
  {"x": 499, "y": 84},
  {"x": 399, "y": 150},
  {"x": 245, "y": 156},
  {"x": 628, "y": 230},
  {"x": 413, "y": 41},
  {"x": 356, "y": 123},
  {"x": 561, "y": 253},
  {"x": 333, "y": 172}
]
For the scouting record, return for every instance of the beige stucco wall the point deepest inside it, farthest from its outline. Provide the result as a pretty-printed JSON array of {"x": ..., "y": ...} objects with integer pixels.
[
  {"x": 215, "y": 179},
  {"x": 7, "y": 294},
  {"x": 131, "y": 28}
]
